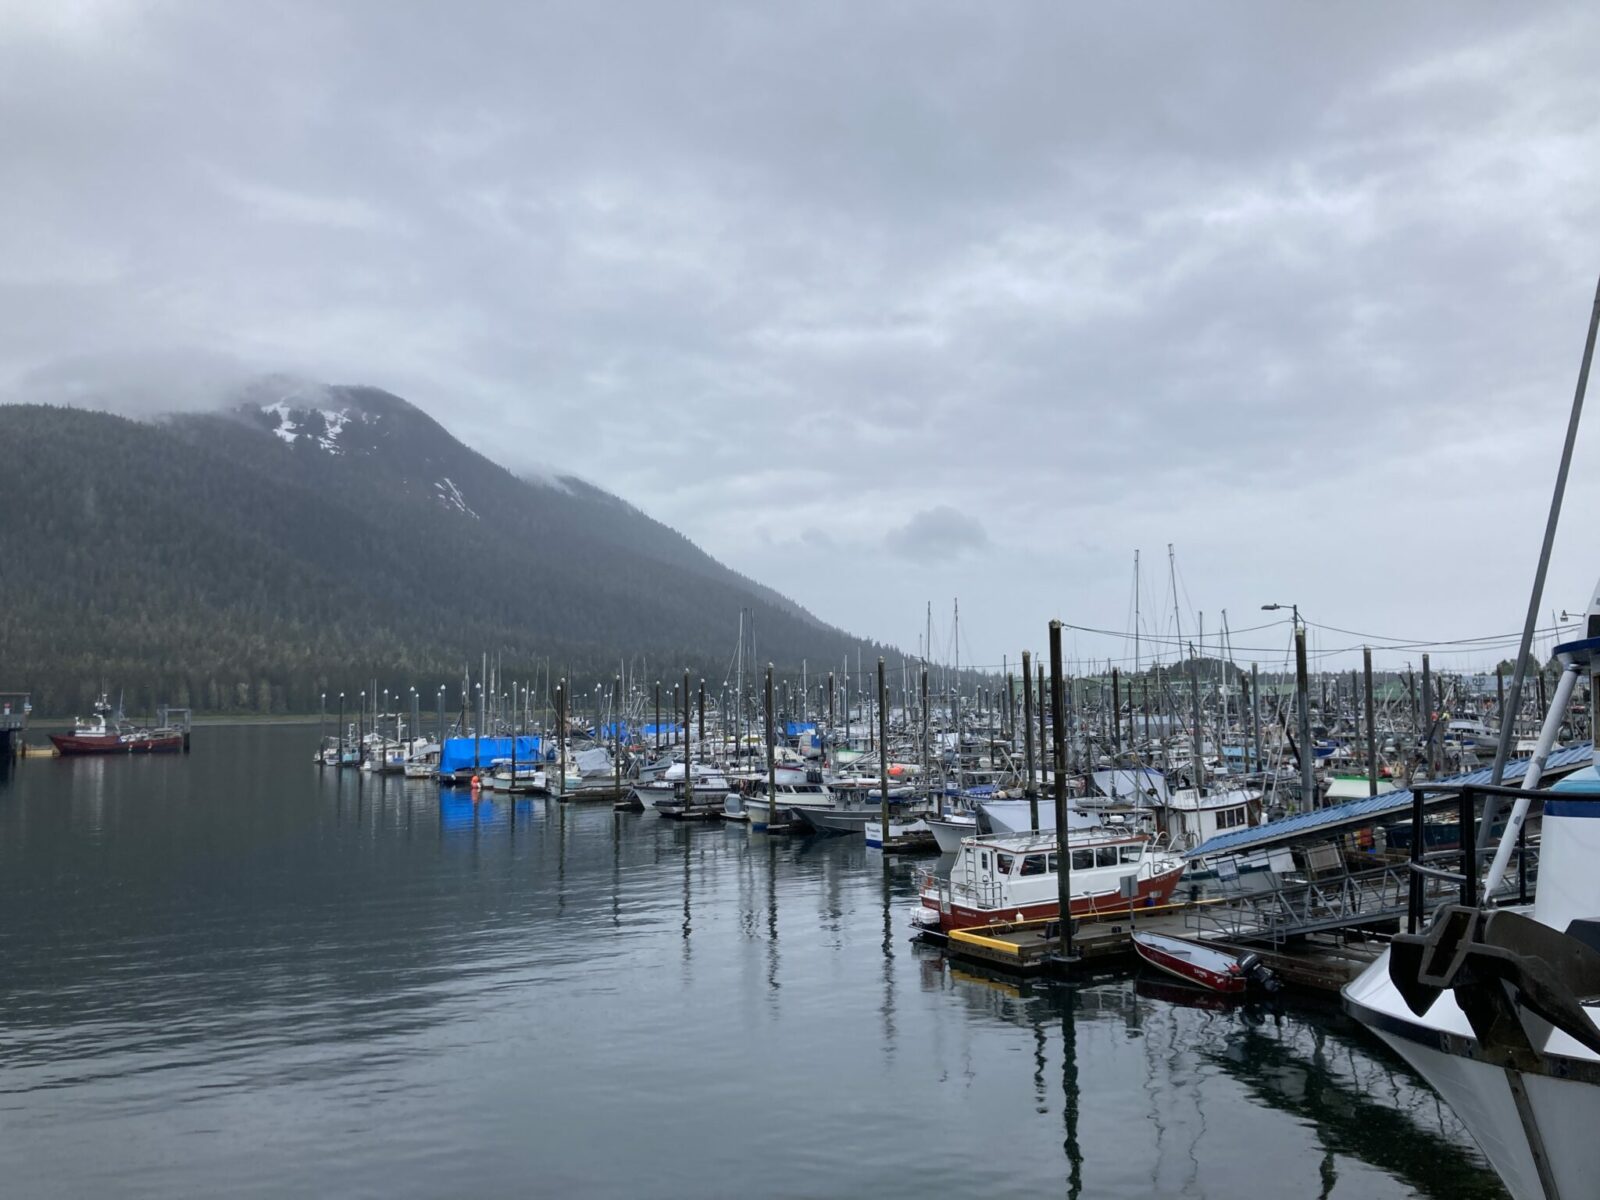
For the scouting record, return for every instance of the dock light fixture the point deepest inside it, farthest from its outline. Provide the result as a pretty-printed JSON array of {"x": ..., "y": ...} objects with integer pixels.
[{"x": 1293, "y": 608}]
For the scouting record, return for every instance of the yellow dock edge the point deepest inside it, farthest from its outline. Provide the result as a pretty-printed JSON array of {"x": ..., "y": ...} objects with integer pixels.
[
  {"x": 973, "y": 938},
  {"x": 976, "y": 932}
]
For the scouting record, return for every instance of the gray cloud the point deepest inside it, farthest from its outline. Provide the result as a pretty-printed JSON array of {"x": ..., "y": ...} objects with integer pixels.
[
  {"x": 1295, "y": 288},
  {"x": 937, "y": 534}
]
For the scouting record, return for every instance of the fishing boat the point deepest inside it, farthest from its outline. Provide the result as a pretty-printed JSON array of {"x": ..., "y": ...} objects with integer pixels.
[
  {"x": 1499, "y": 1007},
  {"x": 951, "y": 829},
  {"x": 1192, "y": 962},
  {"x": 523, "y": 778},
  {"x": 109, "y": 732},
  {"x": 1016, "y": 816},
  {"x": 758, "y": 807},
  {"x": 1014, "y": 878},
  {"x": 667, "y": 793},
  {"x": 903, "y": 835}
]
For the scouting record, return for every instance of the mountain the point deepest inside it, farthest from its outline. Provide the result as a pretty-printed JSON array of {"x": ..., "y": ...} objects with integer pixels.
[{"x": 313, "y": 539}]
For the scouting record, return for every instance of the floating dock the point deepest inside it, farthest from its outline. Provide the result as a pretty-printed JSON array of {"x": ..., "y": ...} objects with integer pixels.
[{"x": 1322, "y": 961}]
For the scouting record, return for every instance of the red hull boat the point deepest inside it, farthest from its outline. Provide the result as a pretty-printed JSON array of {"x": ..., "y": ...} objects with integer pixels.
[
  {"x": 139, "y": 741},
  {"x": 1012, "y": 877},
  {"x": 108, "y": 733},
  {"x": 1210, "y": 968}
]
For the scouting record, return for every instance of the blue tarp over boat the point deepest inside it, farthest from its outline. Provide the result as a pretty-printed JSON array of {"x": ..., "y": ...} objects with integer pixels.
[{"x": 459, "y": 751}]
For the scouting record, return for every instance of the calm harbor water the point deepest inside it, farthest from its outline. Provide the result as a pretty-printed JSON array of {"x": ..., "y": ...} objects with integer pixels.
[{"x": 235, "y": 973}]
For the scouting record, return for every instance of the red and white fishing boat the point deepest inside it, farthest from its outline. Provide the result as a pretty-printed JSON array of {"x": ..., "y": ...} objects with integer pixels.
[
  {"x": 1210, "y": 968},
  {"x": 1012, "y": 877},
  {"x": 107, "y": 732}
]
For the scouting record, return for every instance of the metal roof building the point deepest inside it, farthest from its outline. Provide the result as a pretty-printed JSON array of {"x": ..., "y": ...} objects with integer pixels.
[{"x": 1356, "y": 813}]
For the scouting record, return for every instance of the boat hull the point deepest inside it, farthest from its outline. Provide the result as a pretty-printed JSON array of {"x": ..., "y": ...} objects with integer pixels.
[
  {"x": 949, "y": 832},
  {"x": 76, "y": 744},
  {"x": 1563, "y": 1102},
  {"x": 1156, "y": 889},
  {"x": 1199, "y": 965}
]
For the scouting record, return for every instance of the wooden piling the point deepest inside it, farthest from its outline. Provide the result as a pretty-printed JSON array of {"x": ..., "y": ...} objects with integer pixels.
[
  {"x": 1063, "y": 854},
  {"x": 1308, "y": 778},
  {"x": 561, "y": 739},
  {"x": 772, "y": 760},
  {"x": 1428, "y": 720},
  {"x": 1372, "y": 729},
  {"x": 1028, "y": 789},
  {"x": 883, "y": 753}
]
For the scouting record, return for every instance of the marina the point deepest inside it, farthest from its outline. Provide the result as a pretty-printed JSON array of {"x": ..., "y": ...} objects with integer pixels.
[{"x": 363, "y": 954}]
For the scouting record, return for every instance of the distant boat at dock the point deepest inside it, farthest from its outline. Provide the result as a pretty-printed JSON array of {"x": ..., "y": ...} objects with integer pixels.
[{"x": 109, "y": 732}]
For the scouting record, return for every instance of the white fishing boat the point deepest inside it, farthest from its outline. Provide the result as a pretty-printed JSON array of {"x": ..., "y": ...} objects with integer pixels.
[
  {"x": 1499, "y": 1007},
  {"x": 909, "y": 831},
  {"x": 1016, "y": 816},
  {"x": 667, "y": 792},
  {"x": 1014, "y": 878},
  {"x": 521, "y": 778},
  {"x": 951, "y": 829},
  {"x": 1193, "y": 816},
  {"x": 758, "y": 806}
]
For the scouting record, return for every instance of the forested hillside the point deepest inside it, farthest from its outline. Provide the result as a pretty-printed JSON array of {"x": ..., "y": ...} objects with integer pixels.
[{"x": 251, "y": 560}]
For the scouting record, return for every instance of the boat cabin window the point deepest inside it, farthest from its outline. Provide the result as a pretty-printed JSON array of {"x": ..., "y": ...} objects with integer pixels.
[
  {"x": 1105, "y": 856},
  {"x": 1231, "y": 818},
  {"x": 1052, "y": 865},
  {"x": 1033, "y": 864},
  {"x": 1131, "y": 854},
  {"x": 1082, "y": 860},
  {"x": 1002, "y": 863}
]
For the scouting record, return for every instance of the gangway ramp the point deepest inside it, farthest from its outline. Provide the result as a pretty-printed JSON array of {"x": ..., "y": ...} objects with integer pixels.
[{"x": 1323, "y": 823}]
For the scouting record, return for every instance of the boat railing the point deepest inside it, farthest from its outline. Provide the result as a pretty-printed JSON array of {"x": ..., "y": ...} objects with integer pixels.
[{"x": 1426, "y": 875}]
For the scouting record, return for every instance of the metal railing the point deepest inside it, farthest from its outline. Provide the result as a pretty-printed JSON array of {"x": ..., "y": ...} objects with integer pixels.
[
  {"x": 1430, "y": 884},
  {"x": 1384, "y": 894}
]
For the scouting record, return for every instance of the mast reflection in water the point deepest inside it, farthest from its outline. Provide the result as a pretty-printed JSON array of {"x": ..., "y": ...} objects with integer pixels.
[{"x": 238, "y": 973}]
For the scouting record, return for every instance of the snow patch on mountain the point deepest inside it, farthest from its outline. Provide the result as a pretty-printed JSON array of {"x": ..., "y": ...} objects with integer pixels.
[
  {"x": 450, "y": 497},
  {"x": 294, "y": 423}
]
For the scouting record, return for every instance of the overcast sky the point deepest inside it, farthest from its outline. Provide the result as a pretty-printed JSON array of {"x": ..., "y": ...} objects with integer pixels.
[{"x": 878, "y": 303}]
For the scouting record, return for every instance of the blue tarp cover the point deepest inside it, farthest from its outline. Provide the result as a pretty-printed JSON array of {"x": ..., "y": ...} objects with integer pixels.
[
  {"x": 795, "y": 728},
  {"x": 458, "y": 751}
]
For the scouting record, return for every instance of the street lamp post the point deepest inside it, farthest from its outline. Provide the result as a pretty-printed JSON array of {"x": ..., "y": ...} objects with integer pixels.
[{"x": 1302, "y": 699}]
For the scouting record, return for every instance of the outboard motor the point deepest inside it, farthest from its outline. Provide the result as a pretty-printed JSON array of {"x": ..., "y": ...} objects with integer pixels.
[{"x": 1259, "y": 974}]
